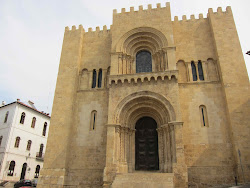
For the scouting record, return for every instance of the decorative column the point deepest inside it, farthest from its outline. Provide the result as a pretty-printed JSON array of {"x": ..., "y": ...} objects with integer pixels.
[
  {"x": 179, "y": 166},
  {"x": 190, "y": 73},
  {"x": 154, "y": 63},
  {"x": 123, "y": 167},
  {"x": 124, "y": 64},
  {"x": 162, "y": 151},
  {"x": 166, "y": 60},
  {"x": 122, "y": 144},
  {"x": 159, "y": 61},
  {"x": 104, "y": 76},
  {"x": 120, "y": 63},
  {"x": 133, "y": 65},
  {"x": 128, "y": 64},
  {"x": 162, "y": 61},
  {"x": 132, "y": 150},
  {"x": 126, "y": 144},
  {"x": 117, "y": 144},
  {"x": 167, "y": 149}
]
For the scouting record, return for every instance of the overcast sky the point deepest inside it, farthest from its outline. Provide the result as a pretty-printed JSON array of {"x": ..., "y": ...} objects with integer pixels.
[{"x": 31, "y": 36}]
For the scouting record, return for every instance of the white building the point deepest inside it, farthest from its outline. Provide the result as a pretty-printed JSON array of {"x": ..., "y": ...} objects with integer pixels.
[{"x": 23, "y": 138}]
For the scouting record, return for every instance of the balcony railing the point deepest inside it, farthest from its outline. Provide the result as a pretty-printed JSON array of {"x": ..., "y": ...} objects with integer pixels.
[{"x": 40, "y": 156}]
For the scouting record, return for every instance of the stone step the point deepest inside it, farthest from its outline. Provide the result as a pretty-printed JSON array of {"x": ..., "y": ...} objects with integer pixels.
[{"x": 144, "y": 180}]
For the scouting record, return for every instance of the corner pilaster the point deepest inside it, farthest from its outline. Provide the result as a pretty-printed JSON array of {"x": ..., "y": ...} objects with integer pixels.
[{"x": 179, "y": 166}]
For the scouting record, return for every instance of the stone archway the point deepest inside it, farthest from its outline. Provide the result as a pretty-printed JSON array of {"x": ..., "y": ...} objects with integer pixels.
[
  {"x": 128, "y": 112},
  {"x": 121, "y": 146}
]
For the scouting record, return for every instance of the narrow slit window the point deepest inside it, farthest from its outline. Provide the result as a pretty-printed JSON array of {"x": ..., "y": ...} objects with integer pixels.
[
  {"x": 100, "y": 78},
  {"x": 200, "y": 70},
  {"x": 6, "y": 117},
  {"x": 22, "y": 118},
  {"x": 194, "y": 71},
  {"x": 93, "y": 120},
  {"x": 94, "y": 79},
  {"x": 204, "y": 118}
]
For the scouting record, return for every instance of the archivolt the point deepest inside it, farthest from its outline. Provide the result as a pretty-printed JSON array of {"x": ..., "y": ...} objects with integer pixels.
[
  {"x": 144, "y": 103},
  {"x": 144, "y": 37}
]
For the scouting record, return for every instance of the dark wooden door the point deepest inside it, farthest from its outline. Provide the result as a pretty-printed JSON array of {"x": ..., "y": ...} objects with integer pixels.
[{"x": 146, "y": 145}]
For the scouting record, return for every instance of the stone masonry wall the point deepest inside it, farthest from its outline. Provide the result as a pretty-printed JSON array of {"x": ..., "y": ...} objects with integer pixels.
[{"x": 76, "y": 155}]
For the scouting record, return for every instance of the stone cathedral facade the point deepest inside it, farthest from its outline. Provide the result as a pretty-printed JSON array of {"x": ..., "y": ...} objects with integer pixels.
[{"x": 151, "y": 102}]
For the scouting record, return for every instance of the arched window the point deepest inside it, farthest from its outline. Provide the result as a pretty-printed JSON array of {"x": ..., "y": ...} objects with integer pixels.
[
  {"x": 17, "y": 142},
  {"x": 200, "y": 70},
  {"x": 11, "y": 168},
  {"x": 29, "y": 145},
  {"x": 22, "y": 118},
  {"x": 41, "y": 150},
  {"x": 37, "y": 171},
  {"x": 203, "y": 115},
  {"x": 6, "y": 117},
  {"x": 1, "y": 138},
  {"x": 33, "y": 122},
  {"x": 94, "y": 79},
  {"x": 93, "y": 120},
  {"x": 194, "y": 71},
  {"x": 44, "y": 128},
  {"x": 143, "y": 61},
  {"x": 100, "y": 78}
]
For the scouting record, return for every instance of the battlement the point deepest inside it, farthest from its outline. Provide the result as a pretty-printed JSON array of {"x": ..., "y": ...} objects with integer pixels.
[
  {"x": 201, "y": 16},
  {"x": 140, "y": 9},
  {"x": 105, "y": 30}
]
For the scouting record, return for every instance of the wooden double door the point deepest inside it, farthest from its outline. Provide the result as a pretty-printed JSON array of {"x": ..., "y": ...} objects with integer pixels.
[{"x": 146, "y": 145}]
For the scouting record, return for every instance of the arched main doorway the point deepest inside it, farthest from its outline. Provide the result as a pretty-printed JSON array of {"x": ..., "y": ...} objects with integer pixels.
[
  {"x": 134, "y": 113},
  {"x": 146, "y": 145}
]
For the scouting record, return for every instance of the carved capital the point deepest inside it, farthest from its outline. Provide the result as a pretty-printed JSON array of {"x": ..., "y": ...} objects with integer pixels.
[
  {"x": 159, "y": 130},
  {"x": 117, "y": 128}
]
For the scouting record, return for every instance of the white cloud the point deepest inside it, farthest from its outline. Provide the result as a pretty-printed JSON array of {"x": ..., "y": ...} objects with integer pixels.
[{"x": 32, "y": 33}]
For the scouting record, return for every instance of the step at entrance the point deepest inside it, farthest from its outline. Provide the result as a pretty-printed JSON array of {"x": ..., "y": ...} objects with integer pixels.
[{"x": 144, "y": 180}]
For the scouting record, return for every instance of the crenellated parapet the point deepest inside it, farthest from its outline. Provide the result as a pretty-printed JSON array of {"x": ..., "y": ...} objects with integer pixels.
[
  {"x": 90, "y": 30},
  {"x": 140, "y": 9},
  {"x": 142, "y": 77},
  {"x": 201, "y": 16}
]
